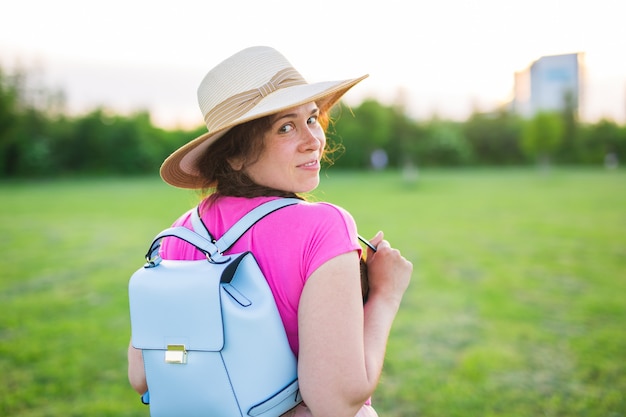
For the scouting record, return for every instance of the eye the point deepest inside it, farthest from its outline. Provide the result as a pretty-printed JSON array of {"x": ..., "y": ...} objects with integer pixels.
[
  {"x": 312, "y": 120},
  {"x": 286, "y": 128}
]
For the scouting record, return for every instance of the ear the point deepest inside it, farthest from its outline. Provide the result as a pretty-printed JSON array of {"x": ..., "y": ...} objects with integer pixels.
[{"x": 236, "y": 163}]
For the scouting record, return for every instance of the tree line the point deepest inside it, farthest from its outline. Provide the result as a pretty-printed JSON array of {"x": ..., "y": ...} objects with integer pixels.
[{"x": 39, "y": 139}]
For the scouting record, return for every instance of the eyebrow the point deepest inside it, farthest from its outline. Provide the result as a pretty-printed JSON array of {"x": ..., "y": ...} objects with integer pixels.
[{"x": 294, "y": 115}]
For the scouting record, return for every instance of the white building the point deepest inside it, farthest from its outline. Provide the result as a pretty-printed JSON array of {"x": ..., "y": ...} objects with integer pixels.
[{"x": 548, "y": 82}]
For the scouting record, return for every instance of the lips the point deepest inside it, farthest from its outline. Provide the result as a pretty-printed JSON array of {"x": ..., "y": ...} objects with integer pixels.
[{"x": 310, "y": 164}]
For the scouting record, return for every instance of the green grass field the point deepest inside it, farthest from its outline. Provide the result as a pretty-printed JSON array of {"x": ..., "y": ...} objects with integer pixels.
[{"x": 517, "y": 306}]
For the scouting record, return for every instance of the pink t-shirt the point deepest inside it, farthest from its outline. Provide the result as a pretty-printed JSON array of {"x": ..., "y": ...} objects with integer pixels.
[{"x": 289, "y": 245}]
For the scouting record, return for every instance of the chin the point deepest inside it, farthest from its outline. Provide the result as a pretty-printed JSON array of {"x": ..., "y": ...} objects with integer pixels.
[
  {"x": 309, "y": 188},
  {"x": 301, "y": 186}
]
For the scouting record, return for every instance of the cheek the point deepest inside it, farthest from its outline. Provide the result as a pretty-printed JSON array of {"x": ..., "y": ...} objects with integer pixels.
[
  {"x": 323, "y": 145},
  {"x": 321, "y": 136}
]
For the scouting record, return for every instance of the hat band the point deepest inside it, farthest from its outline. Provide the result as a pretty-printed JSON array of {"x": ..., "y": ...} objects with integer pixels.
[{"x": 239, "y": 104}]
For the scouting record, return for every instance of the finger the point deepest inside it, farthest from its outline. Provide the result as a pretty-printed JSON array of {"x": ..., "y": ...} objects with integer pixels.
[
  {"x": 377, "y": 238},
  {"x": 383, "y": 243},
  {"x": 373, "y": 243}
]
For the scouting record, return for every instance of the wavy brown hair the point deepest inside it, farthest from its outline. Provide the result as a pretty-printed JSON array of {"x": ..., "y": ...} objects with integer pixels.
[{"x": 244, "y": 142}]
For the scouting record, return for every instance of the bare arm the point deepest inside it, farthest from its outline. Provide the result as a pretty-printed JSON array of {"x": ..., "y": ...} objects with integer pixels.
[
  {"x": 343, "y": 343},
  {"x": 136, "y": 372}
]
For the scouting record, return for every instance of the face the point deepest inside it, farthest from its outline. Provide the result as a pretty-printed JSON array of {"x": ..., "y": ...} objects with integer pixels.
[{"x": 293, "y": 146}]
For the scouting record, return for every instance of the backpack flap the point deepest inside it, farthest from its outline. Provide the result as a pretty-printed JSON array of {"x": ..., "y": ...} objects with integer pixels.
[{"x": 176, "y": 305}]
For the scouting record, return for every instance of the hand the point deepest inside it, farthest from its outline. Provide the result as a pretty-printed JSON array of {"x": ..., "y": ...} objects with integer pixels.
[
  {"x": 302, "y": 411},
  {"x": 389, "y": 273}
]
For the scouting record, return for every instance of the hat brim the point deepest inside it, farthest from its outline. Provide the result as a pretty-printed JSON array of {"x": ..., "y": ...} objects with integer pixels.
[{"x": 180, "y": 168}]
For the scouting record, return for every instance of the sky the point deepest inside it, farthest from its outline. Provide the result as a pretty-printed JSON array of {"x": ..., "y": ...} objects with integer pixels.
[{"x": 444, "y": 57}]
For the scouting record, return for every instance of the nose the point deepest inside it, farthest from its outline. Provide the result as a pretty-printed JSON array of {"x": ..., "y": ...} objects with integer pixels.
[{"x": 312, "y": 139}]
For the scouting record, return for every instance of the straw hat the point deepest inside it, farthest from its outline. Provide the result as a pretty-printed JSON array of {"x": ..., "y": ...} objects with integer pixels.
[{"x": 253, "y": 83}]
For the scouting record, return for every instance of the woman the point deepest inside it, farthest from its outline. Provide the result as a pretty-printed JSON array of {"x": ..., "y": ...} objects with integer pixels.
[{"x": 265, "y": 140}]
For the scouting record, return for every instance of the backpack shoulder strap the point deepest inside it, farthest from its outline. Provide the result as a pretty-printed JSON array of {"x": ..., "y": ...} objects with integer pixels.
[
  {"x": 198, "y": 225},
  {"x": 246, "y": 222}
]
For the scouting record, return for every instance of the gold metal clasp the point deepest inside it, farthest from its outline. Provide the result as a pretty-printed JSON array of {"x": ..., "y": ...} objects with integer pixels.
[{"x": 176, "y": 354}]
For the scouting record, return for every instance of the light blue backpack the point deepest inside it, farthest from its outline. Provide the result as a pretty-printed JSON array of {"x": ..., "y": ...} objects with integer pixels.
[{"x": 213, "y": 342}]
